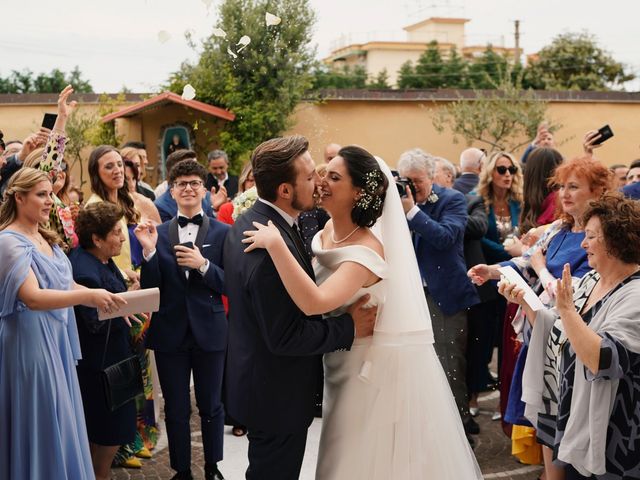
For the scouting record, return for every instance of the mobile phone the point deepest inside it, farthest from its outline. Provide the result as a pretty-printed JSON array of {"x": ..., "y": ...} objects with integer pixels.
[
  {"x": 187, "y": 244},
  {"x": 605, "y": 134},
  {"x": 49, "y": 120}
]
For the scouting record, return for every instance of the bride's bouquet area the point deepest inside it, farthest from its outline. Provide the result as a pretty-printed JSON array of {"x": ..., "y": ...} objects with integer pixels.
[{"x": 244, "y": 202}]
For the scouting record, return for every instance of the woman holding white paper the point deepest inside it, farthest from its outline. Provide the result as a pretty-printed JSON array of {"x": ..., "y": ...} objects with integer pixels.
[
  {"x": 42, "y": 431},
  {"x": 101, "y": 237}
]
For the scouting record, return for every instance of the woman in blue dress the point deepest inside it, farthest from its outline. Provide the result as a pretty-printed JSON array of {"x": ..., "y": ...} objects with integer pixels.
[{"x": 42, "y": 431}]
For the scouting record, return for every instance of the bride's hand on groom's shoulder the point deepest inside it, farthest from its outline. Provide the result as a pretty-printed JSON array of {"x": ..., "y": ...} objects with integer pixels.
[{"x": 264, "y": 236}]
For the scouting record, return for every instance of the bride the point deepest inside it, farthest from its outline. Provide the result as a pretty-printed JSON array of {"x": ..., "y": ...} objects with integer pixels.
[{"x": 388, "y": 410}]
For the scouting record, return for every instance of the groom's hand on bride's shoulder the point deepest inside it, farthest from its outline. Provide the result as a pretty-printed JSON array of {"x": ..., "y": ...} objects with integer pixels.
[{"x": 364, "y": 317}]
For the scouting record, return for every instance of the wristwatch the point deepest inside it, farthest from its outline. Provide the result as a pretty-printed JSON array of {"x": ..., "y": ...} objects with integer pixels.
[{"x": 202, "y": 269}]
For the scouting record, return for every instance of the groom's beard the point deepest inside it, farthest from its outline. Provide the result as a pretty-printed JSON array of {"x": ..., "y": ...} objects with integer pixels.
[{"x": 298, "y": 204}]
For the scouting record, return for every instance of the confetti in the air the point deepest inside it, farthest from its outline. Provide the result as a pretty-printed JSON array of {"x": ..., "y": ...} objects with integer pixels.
[
  {"x": 230, "y": 52},
  {"x": 272, "y": 19},
  {"x": 188, "y": 92},
  {"x": 244, "y": 41},
  {"x": 207, "y": 3},
  {"x": 164, "y": 36},
  {"x": 218, "y": 32}
]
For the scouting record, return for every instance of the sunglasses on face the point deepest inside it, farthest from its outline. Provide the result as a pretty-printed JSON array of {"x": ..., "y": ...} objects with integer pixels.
[{"x": 502, "y": 170}]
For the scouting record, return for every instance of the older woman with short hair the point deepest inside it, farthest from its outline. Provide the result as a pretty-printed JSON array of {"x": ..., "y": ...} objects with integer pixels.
[
  {"x": 101, "y": 236},
  {"x": 581, "y": 381}
]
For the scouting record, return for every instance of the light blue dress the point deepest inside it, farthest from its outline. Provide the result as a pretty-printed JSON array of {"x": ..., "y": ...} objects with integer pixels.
[{"x": 42, "y": 427}]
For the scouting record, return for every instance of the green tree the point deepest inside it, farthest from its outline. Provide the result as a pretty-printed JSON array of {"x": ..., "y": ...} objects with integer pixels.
[
  {"x": 574, "y": 61},
  {"x": 430, "y": 67},
  {"x": 487, "y": 71},
  {"x": 381, "y": 81},
  {"x": 266, "y": 81},
  {"x": 504, "y": 118},
  {"x": 342, "y": 77},
  {"x": 407, "y": 77},
  {"x": 454, "y": 71},
  {"x": 26, "y": 81}
]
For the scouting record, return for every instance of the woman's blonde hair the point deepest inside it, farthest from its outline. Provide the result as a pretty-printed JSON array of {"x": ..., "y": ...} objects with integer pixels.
[
  {"x": 485, "y": 184},
  {"x": 34, "y": 158},
  {"x": 246, "y": 171},
  {"x": 23, "y": 181},
  {"x": 129, "y": 153}
]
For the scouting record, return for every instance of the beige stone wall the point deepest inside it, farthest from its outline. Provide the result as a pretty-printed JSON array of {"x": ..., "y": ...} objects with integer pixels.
[{"x": 387, "y": 128}]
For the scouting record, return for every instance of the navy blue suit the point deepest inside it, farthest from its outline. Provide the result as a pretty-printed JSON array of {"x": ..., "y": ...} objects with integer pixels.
[
  {"x": 439, "y": 241},
  {"x": 274, "y": 353},
  {"x": 189, "y": 334},
  {"x": 466, "y": 182},
  {"x": 632, "y": 191},
  {"x": 493, "y": 249}
]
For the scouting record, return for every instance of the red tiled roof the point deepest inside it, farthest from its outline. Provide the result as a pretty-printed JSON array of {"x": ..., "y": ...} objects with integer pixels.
[{"x": 165, "y": 99}]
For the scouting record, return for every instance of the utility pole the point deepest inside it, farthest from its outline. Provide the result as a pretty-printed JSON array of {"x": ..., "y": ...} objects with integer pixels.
[{"x": 517, "y": 38}]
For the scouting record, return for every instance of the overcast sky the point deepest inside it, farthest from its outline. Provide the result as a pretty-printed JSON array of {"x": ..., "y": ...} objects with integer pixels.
[{"x": 115, "y": 42}]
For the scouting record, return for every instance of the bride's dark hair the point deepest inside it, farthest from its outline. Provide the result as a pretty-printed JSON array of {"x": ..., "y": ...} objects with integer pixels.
[{"x": 365, "y": 173}]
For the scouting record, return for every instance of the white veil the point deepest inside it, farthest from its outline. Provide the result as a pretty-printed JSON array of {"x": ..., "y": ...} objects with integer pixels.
[{"x": 405, "y": 307}]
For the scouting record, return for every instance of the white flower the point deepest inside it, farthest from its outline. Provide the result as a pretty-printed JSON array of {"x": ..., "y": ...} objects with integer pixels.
[
  {"x": 433, "y": 197},
  {"x": 244, "y": 202},
  {"x": 272, "y": 19}
]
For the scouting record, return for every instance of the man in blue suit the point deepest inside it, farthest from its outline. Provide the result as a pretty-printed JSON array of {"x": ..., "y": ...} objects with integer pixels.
[
  {"x": 437, "y": 219},
  {"x": 188, "y": 334}
]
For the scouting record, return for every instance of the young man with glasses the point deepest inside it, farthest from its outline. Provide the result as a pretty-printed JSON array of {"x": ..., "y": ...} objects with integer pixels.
[{"x": 183, "y": 257}]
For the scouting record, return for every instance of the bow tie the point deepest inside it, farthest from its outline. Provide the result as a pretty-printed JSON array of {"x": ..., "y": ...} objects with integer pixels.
[{"x": 184, "y": 221}]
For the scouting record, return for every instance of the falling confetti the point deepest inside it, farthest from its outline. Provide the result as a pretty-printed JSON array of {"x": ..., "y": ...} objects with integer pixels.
[
  {"x": 207, "y": 3},
  {"x": 272, "y": 19},
  {"x": 230, "y": 52},
  {"x": 188, "y": 92},
  {"x": 244, "y": 41},
  {"x": 218, "y": 32},
  {"x": 164, "y": 36}
]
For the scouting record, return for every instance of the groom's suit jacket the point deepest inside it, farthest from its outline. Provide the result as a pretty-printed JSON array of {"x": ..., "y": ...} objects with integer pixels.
[{"x": 274, "y": 352}]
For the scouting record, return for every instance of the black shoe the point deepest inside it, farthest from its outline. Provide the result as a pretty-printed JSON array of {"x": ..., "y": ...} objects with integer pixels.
[
  {"x": 471, "y": 427},
  {"x": 211, "y": 472},
  {"x": 183, "y": 475}
]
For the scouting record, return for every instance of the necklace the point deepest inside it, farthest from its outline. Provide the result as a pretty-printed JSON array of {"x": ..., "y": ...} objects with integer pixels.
[
  {"x": 333, "y": 237},
  {"x": 33, "y": 236}
]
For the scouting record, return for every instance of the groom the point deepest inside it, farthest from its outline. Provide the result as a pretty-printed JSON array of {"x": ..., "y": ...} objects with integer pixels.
[{"x": 274, "y": 350}]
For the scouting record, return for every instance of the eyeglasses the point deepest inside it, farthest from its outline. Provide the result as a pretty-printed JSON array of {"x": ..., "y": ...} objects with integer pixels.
[
  {"x": 502, "y": 169},
  {"x": 194, "y": 184}
]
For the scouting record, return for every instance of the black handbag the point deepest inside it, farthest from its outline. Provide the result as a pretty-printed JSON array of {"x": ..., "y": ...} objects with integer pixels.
[{"x": 122, "y": 381}]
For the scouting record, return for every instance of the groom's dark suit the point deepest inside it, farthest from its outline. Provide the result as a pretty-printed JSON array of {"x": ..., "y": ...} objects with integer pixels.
[{"x": 274, "y": 351}]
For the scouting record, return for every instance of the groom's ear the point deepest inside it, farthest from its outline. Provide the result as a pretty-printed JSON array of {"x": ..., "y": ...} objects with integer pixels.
[{"x": 285, "y": 191}]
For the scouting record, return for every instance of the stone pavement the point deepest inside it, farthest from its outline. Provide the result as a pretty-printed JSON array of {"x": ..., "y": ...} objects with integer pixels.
[{"x": 492, "y": 451}]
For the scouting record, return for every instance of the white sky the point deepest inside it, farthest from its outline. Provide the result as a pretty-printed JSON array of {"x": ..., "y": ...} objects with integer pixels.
[{"x": 115, "y": 42}]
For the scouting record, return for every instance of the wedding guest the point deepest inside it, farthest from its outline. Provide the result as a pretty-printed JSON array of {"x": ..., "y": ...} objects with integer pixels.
[
  {"x": 133, "y": 155},
  {"x": 470, "y": 166},
  {"x": 183, "y": 258},
  {"x": 101, "y": 237},
  {"x": 245, "y": 182},
  {"x": 437, "y": 218},
  {"x": 170, "y": 161},
  {"x": 633, "y": 175},
  {"x": 445, "y": 172},
  {"x": 142, "y": 169},
  {"x": 580, "y": 381},
  {"x": 147, "y": 209},
  {"x": 42, "y": 432},
  {"x": 166, "y": 204},
  {"x": 330, "y": 152},
  {"x": 620, "y": 173},
  {"x": 218, "y": 176}
]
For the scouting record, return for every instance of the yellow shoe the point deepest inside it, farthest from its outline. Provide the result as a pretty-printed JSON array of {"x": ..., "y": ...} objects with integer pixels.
[
  {"x": 131, "y": 462},
  {"x": 143, "y": 453}
]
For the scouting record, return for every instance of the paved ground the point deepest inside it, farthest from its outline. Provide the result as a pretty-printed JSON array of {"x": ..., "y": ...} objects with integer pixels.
[{"x": 492, "y": 451}]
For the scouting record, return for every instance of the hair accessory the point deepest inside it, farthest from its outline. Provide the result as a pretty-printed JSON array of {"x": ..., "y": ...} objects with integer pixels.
[{"x": 370, "y": 197}]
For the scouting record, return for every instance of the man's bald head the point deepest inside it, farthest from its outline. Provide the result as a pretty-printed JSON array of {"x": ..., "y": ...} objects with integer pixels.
[{"x": 331, "y": 151}]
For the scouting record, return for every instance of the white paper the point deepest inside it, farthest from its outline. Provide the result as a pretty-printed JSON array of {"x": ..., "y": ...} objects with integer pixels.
[
  {"x": 164, "y": 36},
  {"x": 188, "y": 92},
  {"x": 138, "y": 301},
  {"x": 529, "y": 295},
  {"x": 271, "y": 19}
]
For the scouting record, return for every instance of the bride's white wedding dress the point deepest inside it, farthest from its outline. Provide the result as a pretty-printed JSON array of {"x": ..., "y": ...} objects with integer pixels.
[{"x": 388, "y": 410}]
